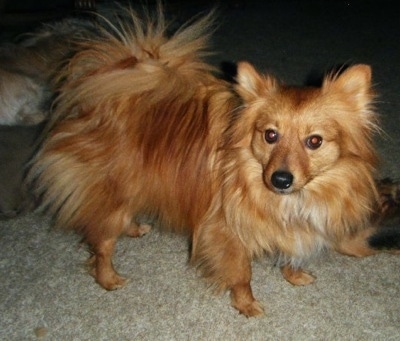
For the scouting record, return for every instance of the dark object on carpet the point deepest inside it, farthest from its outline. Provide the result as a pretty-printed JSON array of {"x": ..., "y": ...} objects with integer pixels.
[{"x": 388, "y": 238}]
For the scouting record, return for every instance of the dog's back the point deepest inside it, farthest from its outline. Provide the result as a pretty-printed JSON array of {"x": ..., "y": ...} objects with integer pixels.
[{"x": 138, "y": 123}]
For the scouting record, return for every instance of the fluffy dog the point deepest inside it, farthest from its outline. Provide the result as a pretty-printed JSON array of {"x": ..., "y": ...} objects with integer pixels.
[{"x": 144, "y": 127}]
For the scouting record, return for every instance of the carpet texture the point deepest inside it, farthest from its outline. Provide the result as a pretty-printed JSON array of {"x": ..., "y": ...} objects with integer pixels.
[{"x": 46, "y": 293}]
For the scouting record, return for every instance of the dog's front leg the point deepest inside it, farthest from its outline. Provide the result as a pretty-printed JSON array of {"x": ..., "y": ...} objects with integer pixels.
[
  {"x": 297, "y": 276},
  {"x": 226, "y": 263},
  {"x": 243, "y": 300}
]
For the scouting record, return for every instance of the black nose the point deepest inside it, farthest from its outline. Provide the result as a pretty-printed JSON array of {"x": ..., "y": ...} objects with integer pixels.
[{"x": 282, "y": 179}]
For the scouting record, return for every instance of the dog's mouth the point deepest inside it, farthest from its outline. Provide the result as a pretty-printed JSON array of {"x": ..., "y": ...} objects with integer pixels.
[{"x": 283, "y": 191}]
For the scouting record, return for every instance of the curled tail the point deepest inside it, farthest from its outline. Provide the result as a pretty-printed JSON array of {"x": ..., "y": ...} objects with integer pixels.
[{"x": 133, "y": 55}]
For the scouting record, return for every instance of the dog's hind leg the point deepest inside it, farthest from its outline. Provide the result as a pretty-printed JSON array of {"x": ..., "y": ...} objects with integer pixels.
[
  {"x": 102, "y": 267},
  {"x": 357, "y": 245},
  {"x": 368, "y": 242},
  {"x": 103, "y": 242},
  {"x": 384, "y": 236}
]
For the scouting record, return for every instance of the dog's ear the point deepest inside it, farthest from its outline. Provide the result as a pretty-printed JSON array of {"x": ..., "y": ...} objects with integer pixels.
[
  {"x": 355, "y": 82},
  {"x": 354, "y": 109},
  {"x": 250, "y": 84}
]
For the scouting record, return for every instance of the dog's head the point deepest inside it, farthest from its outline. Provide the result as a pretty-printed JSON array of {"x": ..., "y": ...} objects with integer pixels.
[{"x": 297, "y": 134}]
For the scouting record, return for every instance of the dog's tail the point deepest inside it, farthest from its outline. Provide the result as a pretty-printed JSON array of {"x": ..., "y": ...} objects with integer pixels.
[{"x": 133, "y": 55}]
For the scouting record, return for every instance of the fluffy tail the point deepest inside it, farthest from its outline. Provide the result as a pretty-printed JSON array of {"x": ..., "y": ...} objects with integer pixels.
[{"x": 130, "y": 47}]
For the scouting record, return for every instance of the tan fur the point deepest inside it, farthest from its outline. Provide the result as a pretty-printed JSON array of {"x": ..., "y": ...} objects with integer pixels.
[{"x": 144, "y": 127}]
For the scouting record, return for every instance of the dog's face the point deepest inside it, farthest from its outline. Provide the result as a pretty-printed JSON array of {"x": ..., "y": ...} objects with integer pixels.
[
  {"x": 291, "y": 142},
  {"x": 298, "y": 133}
]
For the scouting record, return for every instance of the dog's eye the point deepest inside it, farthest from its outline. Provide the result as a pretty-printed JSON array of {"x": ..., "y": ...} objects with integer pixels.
[
  {"x": 271, "y": 136},
  {"x": 314, "y": 141}
]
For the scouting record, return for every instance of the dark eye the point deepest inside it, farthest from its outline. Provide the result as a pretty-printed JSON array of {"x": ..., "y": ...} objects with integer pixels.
[
  {"x": 271, "y": 136},
  {"x": 314, "y": 141}
]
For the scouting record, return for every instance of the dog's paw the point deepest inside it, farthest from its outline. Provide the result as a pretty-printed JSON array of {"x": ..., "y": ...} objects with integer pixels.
[
  {"x": 112, "y": 282},
  {"x": 297, "y": 276},
  {"x": 252, "y": 309},
  {"x": 243, "y": 300},
  {"x": 136, "y": 231},
  {"x": 107, "y": 278}
]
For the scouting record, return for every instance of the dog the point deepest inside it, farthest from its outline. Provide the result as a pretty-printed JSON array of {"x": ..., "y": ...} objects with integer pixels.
[{"x": 142, "y": 125}]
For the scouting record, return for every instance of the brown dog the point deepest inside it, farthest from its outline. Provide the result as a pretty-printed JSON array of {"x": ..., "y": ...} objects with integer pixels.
[{"x": 144, "y": 127}]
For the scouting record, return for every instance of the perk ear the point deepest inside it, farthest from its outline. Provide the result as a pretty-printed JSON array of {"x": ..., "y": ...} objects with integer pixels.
[
  {"x": 359, "y": 122},
  {"x": 250, "y": 83},
  {"x": 355, "y": 82}
]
